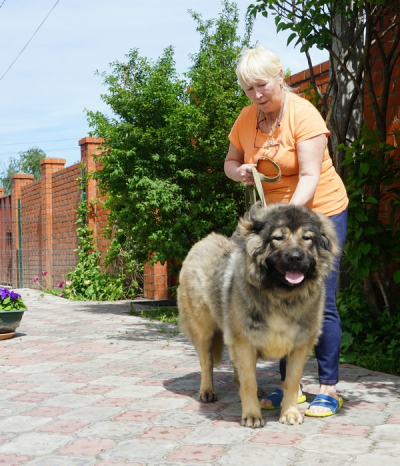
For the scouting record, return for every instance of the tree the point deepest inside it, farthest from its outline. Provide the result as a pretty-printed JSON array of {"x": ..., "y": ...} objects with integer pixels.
[
  {"x": 165, "y": 145},
  {"x": 26, "y": 162},
  {"x": 348, "y": 30}
]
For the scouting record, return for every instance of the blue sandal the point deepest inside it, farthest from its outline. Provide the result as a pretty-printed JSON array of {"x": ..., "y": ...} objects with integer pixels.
[
  {"x": 327, "y": 402},
  {"x": 276, "y": 397}
]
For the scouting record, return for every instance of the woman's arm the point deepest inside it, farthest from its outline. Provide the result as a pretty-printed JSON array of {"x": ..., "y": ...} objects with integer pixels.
[
  {"x": 310, "y": 154},
  {"x": 236, "y": 169}
]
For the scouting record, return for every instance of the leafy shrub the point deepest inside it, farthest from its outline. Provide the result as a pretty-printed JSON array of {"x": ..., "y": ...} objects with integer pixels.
[
  {"x": 366, "y": 342},
  {"x": 370, "y": 306},
  {"x": 86, "y": 281},
  {"x": 165, "y": 144}
]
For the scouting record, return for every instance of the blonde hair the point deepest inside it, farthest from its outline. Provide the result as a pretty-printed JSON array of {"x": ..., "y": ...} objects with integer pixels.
[{"x": 257, "y": 63}]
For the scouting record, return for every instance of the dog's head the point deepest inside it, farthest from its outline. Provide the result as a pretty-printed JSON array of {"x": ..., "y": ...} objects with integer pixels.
[{"x": 287, "y": 246}]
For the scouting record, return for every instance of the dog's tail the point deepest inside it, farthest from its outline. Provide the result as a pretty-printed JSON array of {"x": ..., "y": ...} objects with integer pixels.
[{"x": 217, "y": 348}]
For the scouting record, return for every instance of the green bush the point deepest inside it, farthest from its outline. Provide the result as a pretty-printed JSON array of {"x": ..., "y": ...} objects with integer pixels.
[
  {"x": 86, "y": 281},
  {"x": 166, "y": 142},
  {"x": 370, "y": 306}
]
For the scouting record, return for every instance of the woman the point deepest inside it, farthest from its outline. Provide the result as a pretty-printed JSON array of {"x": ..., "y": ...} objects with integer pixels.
[{"x": 288, "y": 130}]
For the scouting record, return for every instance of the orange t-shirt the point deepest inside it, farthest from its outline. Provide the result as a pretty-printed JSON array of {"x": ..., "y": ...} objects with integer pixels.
[{"x": 300, "y": 122}]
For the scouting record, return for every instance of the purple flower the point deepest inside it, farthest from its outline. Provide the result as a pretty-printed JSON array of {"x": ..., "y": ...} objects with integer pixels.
[
  {"x": 60, "y": 285},
  {"x": 44, "y": 272},
  {"x": 36, "y": 279},
  {"x": 4, "y": 293},
  {"x": 61, "y": 295},
  {"x": 14, "y": 295}
]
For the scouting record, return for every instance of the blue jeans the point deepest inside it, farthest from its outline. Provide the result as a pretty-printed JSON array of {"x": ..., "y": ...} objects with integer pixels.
[{"x": 327, "y": 350}]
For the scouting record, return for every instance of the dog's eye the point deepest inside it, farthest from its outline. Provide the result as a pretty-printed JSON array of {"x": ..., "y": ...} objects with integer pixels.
[
  {"x": 277, "y": 238},
  {"x": 307, "y": 238}
]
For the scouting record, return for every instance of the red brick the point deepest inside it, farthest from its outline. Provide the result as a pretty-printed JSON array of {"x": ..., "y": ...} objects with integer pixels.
[
  {"x": 394, "y": 100},
  {"x": 325, "y": 66}
]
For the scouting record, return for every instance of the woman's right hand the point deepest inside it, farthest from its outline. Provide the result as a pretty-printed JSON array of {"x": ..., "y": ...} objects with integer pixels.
[
  {"x": 236, "y": 169},
  {"x": 245, "y": 174}
]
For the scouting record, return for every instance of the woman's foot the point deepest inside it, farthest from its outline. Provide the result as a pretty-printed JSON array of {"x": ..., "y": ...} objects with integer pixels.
[
  {"x": 266, "y": 402},
  {"x": 329, "y": 390}
]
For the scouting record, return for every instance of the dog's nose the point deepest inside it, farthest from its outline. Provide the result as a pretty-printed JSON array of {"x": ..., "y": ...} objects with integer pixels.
[{"x": 295, "y": 258}]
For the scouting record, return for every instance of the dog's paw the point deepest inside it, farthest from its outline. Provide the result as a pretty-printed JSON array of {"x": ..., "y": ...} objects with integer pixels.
[
  {"x": 208, "y": 396},
  {"x": 292, "y": 417},
  {"x": 252, "y": 421}
]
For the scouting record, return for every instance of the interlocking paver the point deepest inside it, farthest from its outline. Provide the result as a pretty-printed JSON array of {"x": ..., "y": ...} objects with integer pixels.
[{"x": 86, "y": 383}]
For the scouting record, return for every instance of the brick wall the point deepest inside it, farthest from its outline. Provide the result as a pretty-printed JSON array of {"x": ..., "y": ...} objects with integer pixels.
[
  {"x": 66, "y": 197},
  {"x": 301, "y": 82},
  {"x": 31, "y": 229},
  {"x": 37, "y": 222}
]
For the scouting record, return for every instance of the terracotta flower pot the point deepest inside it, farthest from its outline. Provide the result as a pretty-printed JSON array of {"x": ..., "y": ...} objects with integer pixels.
[{"x": 9, "y": 321}]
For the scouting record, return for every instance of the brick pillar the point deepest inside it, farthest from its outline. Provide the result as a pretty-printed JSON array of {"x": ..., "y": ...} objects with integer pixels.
[
  {"x": 155, "y": 281},
  {"x": 89, "y": 148},
  {"x": 48, "y": 167},
  {"x": 17, "y": 181},
  {"x": 1, "y": 192},
  {"x": 158, "y": 279}
]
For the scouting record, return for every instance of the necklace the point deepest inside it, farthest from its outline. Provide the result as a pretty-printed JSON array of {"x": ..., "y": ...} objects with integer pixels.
[{"x": 274, "y": 124}]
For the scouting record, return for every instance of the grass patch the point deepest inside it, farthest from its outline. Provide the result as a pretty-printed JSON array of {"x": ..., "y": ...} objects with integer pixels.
[
  {"x": 54, "y": 292},
  {"x": 167, "y": 315}
]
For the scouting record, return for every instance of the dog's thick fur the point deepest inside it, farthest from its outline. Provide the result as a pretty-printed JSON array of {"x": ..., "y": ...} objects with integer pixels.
[{"x": 262, "y": 293}]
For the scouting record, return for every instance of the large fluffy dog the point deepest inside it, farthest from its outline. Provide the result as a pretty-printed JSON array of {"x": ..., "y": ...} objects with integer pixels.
[{"x": 262, "y": 293}]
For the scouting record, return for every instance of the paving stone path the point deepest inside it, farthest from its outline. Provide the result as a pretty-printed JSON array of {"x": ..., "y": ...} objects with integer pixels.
[{"x": 89, "y": 384}]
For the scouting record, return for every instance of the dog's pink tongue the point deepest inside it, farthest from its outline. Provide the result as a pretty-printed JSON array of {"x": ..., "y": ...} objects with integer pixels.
[{"x": 294, "y": 276}]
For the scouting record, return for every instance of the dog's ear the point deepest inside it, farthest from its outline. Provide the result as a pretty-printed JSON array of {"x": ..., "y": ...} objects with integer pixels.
[
  {"x": 329, "y": 239},
  {"x": 257, "y": 217},
  {"x": 251, "y": 222},
  {"x": 325, "y": 243}
]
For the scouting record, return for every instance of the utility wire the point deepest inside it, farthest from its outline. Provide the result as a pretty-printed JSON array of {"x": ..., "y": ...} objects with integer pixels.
[
  {"x": 37, "y": 142},
  {"x": 2, "y": 3},
  {"x": 47, "y": 150},
  {"x": 29, "y": 39}
]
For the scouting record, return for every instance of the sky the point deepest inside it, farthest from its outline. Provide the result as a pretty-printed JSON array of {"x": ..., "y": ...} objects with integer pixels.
[{"x": 43, "y": 96}]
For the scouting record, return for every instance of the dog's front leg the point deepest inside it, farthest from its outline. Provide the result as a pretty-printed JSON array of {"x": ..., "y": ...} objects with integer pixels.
[
  {"x": 206, "y": 393},
  {"x": 295, "y": 362},
  {"x": 244, "y": 359}
]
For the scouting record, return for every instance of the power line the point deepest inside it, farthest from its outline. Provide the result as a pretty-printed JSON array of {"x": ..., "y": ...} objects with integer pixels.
[
  {"x": 48, "y": 150},
  {"x": 2, "y": 3},
  {"x": 37, "y": 142},
  {"x": 29, "y": 39}
]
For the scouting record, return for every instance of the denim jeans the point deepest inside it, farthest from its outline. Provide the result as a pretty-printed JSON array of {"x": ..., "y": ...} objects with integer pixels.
[{"x": 327, "y": 350}]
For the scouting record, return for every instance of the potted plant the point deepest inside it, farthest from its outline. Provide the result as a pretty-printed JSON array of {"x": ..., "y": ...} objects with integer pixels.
[{"x": 12, "y": 309}]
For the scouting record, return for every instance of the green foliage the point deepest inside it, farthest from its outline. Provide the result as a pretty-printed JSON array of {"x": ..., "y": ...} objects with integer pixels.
[
  {"x": 26, "y": 162},
  {"x": 167, "y": 315},
  {"x": 308, "y": 20},
  {"x": 370, "y": 343},
  {"x": 287, "y": 73},
  {"x": 166, "y": 143},
  {"x": 9, "y": 304},
  {"x": 10, "y": 300},
  {"x": 371, "y": 320},
  {"x": 30, "y": 161},
  {"x": 86, "y": 281},
  {"x": 373, "y": 241}
]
